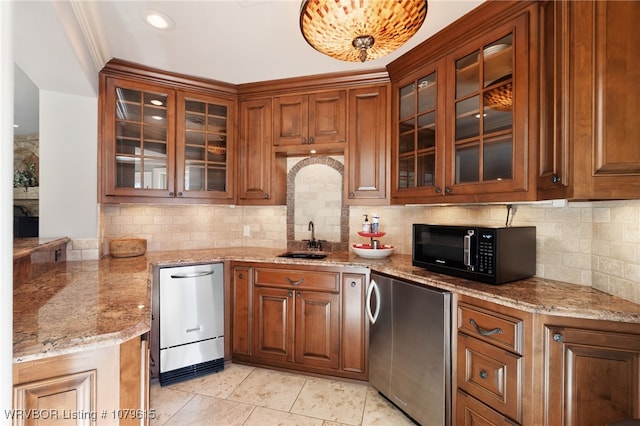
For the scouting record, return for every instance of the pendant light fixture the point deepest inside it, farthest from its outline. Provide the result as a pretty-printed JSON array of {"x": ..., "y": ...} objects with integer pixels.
[{"x": 360, "y": 30}]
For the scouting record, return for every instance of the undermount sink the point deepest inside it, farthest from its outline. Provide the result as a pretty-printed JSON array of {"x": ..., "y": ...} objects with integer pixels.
[{"x": 303, "y": 255}]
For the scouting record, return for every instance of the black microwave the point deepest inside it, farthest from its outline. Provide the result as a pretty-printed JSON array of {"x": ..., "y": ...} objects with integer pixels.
[{"x": 492, "y": 255}]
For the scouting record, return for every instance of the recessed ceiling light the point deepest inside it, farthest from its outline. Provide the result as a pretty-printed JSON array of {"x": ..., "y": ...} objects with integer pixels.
[
  {"x": 16, "y": 125},
  {"x": 158, "y": 20}
]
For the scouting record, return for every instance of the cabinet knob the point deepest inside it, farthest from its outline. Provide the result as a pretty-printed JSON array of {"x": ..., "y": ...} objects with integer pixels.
[
  {"x": 353, "y": 283},
  {"x": 312, "y": 139},
  {"x": 171, "y": 194},
  {"x": 555, "y": 179},
  {"x": 483, "y": 374},
  {"x": 298, "y": 295},
  {"x": 352, "y": 195},
  {"x": 558, "y": 337},
  {"x": 289, "y": 294},
  {"x": 303, "y": 140},
  {"x": 241, "y": 276},
  {"x": 265, "y": 196},
  {"x": 438, "y": 190},
  {"x": 179, "y": 194},
  {"x": 447, "y": 190}
]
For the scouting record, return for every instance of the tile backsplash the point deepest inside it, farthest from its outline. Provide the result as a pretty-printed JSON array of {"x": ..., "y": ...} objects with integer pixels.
[{"x": 588, "y": 243}]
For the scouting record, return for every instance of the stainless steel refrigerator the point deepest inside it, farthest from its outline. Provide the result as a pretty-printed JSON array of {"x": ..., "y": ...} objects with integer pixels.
[{"x": 410, "y": 347}]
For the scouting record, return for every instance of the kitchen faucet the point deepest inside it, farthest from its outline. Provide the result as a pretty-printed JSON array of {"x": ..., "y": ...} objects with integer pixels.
[
  {"x": 311, "y": 228},
  {"x": 312, "y": 244}
]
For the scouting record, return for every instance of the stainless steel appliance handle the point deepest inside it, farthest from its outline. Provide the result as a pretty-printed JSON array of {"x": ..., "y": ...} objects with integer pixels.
[
  {"x": 193, "y": 274},
  {"x": 373, "y": 286},
  {"x": 466, "y": 254}
]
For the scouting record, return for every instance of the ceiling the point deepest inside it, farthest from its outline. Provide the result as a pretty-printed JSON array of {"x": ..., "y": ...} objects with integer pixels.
[{"x": 60, "y": 45}]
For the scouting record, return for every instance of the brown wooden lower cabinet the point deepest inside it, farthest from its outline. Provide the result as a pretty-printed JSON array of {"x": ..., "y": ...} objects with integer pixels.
[
  {"x": 302, "y": 317},
  {"x": 591, "y": 372},
  {"x": 472, "y": 412},
  {"x": 518, "y": 368},
  {"x": 493, "y": 352},
  {"x": 84, "y": 388},
  {"x": 317, "y": 334}
]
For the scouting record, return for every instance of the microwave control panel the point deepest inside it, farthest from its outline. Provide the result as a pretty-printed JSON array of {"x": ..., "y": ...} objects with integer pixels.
[{"x": 486, "y": 251}]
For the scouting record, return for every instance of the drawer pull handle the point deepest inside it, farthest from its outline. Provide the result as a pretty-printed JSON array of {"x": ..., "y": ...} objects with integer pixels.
[
  {"x": 193, "y": 274},
  {"x": 294, "y": 282},
  {"x": 483, "y": 374},
  {"x": 483, "y": 331}
]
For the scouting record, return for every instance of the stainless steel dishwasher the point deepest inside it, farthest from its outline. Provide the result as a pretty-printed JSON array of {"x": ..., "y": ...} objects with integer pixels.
[
  {"x": 191, "y": 321},
  {"x": 410, "y": 347}
]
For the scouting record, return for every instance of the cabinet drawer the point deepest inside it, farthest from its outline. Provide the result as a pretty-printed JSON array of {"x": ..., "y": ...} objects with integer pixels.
[
  {"x": 470, "y": 411},
  {"x": 299, "y": 279},
  {"x": 490, "y": 374},
  {"x": 495, "y": 328}
]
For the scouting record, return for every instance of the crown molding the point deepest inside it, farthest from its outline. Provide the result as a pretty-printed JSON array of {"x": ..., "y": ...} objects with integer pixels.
[{"x": 91, "y": 27}]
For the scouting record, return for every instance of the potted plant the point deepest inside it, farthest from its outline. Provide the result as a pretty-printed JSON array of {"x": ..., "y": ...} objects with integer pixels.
[{"x": 25, "y": 177}]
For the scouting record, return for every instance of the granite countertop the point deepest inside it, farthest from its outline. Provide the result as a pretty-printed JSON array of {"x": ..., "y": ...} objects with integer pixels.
[
  {"x": 25, "y": 246},
  {"x": 81, "y": 305}
]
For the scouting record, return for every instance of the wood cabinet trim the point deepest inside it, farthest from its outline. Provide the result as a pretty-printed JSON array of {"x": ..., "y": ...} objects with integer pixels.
[
  {"x": 133, "y": 71},
  {"x": 313, "y": 83}
]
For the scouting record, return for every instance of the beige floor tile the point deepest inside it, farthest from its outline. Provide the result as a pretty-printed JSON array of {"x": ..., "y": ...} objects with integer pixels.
[
  {"x": 379, "y": 411},
  {"x": 333, "y": 400},
  {"x": 165, "y": 402},
  {"x": 220, "y": 384},
  {"x": 270, "y": 389},
  {"x": 209, "y": 411},
  {"x": 265, "y": 416}
]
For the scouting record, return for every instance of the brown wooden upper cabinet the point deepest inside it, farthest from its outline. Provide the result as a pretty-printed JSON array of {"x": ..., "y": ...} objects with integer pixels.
[
  {"x": 164, "y": 142},
  {"x": 261, "y": 175},
  {"x": 310, "y": 119},
  {"x": 464, "y": 120},
  {"x": 590, "y": 111},
  {"x": 367, "y": 153}
]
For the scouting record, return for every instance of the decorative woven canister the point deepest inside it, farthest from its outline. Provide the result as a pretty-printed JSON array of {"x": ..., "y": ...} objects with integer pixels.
[{"x": 127, "y": 247}]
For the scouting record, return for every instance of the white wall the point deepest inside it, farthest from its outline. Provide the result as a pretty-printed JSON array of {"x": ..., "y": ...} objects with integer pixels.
[
  {"x": 68, "y": 165},
  {"x": 6, "y": 214}
]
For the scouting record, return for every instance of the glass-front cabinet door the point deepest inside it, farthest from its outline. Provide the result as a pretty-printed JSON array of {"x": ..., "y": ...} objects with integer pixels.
[
  {"x": 139, "y": 140},
  {"x": 204, "y": 166},
  {"x": 158, "y": 142},
  {"x": 464, "y": 130},
  {"x": 487, "y": 136},
  {"x": 418, "y": 155}
]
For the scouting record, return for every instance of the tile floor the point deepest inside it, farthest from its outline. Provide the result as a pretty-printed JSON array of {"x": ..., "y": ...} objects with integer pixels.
[{"x": 244, "y": 395}]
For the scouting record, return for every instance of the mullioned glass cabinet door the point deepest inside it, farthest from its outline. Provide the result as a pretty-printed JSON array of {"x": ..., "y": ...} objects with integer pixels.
[
  {"x": 488, "y": 139},
  {"x": 418, "y": 156},
  {"x": 139, "y": 150},
  {"x": 204, "y": 168},
  {"x": 483, "y": 111}
]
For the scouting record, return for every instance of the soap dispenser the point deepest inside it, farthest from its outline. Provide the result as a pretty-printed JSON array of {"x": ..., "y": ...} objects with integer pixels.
[
  {"x": 366, "y": 226},
  {"x": 375, "y": 226}
]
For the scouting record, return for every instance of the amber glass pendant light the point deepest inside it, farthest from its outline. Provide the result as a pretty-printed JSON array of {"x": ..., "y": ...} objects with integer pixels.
[{"x": 360, "y": 30}]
